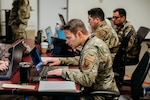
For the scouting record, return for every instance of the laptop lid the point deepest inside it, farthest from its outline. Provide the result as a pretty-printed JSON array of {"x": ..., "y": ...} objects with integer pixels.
[
  {"x": 16, "y": 50},
  {"x": 36, "y": 58},
  {"x": 56, "y": 44},
  {"x": 62, "y": 19},
  {"x": 61, "y": 34},
  {"x": 48, "y": 32},
  {"x": 61, "y": 48}
]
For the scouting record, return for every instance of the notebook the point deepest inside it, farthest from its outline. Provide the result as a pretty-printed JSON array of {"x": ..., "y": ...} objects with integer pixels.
[
  {"x": 57, "y": 86},
  {"x": 37, "y": 62},
  {"x": 58, "y": 46},
  {"x": 16, "y": 50}
]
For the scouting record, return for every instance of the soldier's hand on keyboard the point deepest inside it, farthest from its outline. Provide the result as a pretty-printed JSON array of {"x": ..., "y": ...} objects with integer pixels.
[
  {"x": 52, "y": 62},
  {"x": 57, "y": 72},
  {"x": 3, "y": 65}
]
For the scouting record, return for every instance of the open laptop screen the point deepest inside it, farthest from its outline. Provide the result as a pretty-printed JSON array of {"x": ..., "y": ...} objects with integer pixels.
[
  {"x": 49, "y": 34},
  {"x": 36, "y": 58},
  {"x": 16, "y": 53},
  {"x": 61, "y": 34}
]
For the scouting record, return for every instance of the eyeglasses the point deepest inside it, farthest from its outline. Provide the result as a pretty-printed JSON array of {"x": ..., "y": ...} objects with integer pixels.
[{"x": 115, "y": 17}]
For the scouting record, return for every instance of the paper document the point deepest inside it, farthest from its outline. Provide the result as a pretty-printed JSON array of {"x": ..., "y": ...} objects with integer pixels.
[
  {"x": 32, "y": 87},
  {"x": 57, "y": 86},
  {"x": 51, "y": 58}
]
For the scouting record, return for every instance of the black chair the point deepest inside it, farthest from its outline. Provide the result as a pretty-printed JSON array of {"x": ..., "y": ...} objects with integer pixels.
[
  {"x": 137, "y": 80},
  {"x": 148, "y": 45},
  {"x": 120, "y": 59},
  {"x": 138, "y": 77},
  {"x": 141, "y": 34}
]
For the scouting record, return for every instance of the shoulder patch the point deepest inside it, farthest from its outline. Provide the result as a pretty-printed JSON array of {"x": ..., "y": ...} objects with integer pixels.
[
  {"x": 88, "y": 62},
  {"x": 89, "y": 57}
]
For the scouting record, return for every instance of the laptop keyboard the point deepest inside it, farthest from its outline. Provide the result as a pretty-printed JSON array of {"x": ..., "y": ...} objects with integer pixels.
[
  {"x": 3, "y": 72},
  {"x": 45, "y": 69}
]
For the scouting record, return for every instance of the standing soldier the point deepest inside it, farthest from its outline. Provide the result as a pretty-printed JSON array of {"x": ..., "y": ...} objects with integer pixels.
[{"x": 18, "y": 18}]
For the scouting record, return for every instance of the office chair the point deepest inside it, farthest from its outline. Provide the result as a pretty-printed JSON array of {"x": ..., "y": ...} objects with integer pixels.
[
  {"x": 137, "y": 80},
  {"x": 148, "y": 45},
  {"x": 120, "y": 59},
  {"x": 138, "y": 77},
  {"x": 141, "y": 34}
]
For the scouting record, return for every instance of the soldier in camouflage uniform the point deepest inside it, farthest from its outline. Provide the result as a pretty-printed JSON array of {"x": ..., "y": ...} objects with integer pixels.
[
  {"x": 18, "y": 20},
  {"x": 121, "y": 27},
  {"x": 95, "y": 61},
  {"x": 19, "y": 17},
  {"x": 102, "y": 29}
]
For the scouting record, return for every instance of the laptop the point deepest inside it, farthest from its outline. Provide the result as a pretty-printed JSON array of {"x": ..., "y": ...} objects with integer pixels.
[
  {"x": 41, "y": 70},
  {"x": 62, "y": 19},
  {"x": 57, "y": 45},
  {"x": 16, "y": 50},
  {"x": 61, "y": 34},
  {"x": 49, "y": 34}
]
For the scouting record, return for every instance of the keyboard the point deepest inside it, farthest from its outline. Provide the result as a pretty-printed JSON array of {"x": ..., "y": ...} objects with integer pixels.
[
  {"x": 4, "y": 72},
  {"x": 45, "y": 69}
]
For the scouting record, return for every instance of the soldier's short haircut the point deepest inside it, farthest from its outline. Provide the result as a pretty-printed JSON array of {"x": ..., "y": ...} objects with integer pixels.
[
  {"x": 121, "y": 11},
  {"x": 75, "y": 25},
  {"x": 97, "y": 12}
]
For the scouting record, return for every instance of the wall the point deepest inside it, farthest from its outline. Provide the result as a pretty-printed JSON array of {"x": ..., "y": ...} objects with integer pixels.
[
  {"x": 137, "y": 10},
  {"x": 48, "y": 13}
]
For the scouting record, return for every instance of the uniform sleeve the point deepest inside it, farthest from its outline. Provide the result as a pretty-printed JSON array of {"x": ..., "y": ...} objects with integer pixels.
[
  {"x": 109, "y": 36},
  {"x": 70, "y": 61},
  {"x": 88, "y": 70},
  {"x": 132, "y": 40},
  {"x": 24, "y": 12}
]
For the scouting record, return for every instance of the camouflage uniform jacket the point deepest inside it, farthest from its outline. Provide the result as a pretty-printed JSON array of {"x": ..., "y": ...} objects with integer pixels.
[
  {"x": 108, "y": 35},
  {"x": 95, "y": 66},
  {"x": 19, "y": 17},
  {"x": 132, "y": 50},
  {"x": 2, "y": 51}
]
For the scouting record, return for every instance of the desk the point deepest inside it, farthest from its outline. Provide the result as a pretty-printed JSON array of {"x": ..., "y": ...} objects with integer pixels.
[{"x": 16, "y": 78}]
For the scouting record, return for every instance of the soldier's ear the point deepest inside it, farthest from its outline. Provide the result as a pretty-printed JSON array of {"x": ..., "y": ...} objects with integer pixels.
[{"x": 79, "y": 33}]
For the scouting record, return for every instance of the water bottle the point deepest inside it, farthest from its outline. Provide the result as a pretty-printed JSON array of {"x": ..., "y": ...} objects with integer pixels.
[{"x": 57, "y": 27}]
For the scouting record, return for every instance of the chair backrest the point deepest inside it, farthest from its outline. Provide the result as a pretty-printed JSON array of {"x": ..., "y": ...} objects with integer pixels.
[
  {"x": 120, "y": 58},
  {"x": 141, "y": 33},
  {"x": 139, "y": 75}
]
